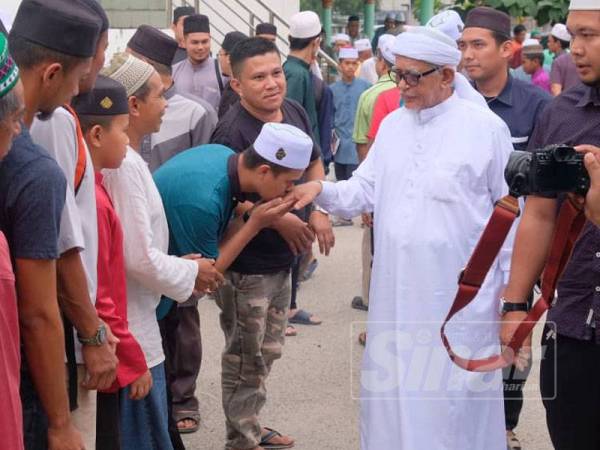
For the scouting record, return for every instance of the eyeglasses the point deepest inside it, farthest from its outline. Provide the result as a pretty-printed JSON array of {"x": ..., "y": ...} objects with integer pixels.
[{"x": 411, "y": 77}]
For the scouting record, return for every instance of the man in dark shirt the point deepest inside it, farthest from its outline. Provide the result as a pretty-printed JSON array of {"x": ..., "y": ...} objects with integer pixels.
[
  {"x": 486, "y": 47},
  {"x": 569, "y": 370},
  {"x": 229, "y": 96},
  {"x": 179, "y": 15},
  {"x": 32, "y": 195}
]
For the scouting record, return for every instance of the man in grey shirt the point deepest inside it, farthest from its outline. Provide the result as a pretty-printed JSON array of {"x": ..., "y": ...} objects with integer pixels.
[{"x": 199, "y": 74}]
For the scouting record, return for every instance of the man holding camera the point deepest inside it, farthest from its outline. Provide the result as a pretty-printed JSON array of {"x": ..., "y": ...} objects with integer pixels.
[{"x": 571, "y": 362}]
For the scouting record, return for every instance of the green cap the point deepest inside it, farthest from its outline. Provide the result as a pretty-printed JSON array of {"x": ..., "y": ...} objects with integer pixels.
[{"x": 9, "y": 72}]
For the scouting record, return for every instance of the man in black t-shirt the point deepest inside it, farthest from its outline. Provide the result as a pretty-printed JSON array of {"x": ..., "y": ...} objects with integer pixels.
[{"x": 263, "y": 268}]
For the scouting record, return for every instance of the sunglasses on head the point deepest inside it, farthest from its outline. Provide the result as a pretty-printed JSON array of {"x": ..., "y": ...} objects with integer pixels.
[{"x": 411, "y": 77}]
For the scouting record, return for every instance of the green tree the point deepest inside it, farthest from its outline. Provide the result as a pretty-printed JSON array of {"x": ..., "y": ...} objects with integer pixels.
[
  {"x": 437, "y": 5},
  {"x": 544, "y": 11}
]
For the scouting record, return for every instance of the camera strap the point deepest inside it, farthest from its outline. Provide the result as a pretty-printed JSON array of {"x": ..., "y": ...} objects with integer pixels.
[{"x": 571, "y": 220}]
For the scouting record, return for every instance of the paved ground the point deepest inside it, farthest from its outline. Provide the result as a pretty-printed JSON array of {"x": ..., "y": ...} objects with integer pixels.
[{"x": 310, "y": 388}]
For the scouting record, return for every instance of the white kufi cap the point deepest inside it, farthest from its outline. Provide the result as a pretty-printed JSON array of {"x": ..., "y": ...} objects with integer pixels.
[
  {"x": 340, "y": 37},
  {"x": 284, "y": 145},
  {"x": 128, "y": 70},
  {"x": 385, "y": 46},
  {"x": 362, "y": 45},
  {"x": 305, "y": 24},
  {"x": 348, "y": 53},
  {"x": 449, "y": 23},
  {"x": 429, "y": 45},
  {"x": 559, "y": 31}
]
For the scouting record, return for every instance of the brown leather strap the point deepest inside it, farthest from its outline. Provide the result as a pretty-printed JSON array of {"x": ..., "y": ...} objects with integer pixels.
[
  {"x": 569, "y": 224},
  {"x": 81, "y": 153}
]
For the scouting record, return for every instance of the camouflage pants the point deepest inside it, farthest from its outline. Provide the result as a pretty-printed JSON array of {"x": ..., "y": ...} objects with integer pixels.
[{"x": 253, "y": 318}]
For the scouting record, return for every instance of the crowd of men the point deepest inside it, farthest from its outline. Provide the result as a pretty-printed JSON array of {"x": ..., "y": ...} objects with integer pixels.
[{"x": 133, "y": 186}]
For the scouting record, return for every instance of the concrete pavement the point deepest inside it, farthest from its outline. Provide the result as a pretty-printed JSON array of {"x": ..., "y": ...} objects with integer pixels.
[{"x": 310, "y": 388}]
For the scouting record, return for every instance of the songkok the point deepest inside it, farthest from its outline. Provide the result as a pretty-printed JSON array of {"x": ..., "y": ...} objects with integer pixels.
[
  {"x": 99, "y": 10},
  {"x": 340, "y": 37},
  {"x": 305, "y": 24},
  {"x": 449, "y": 23},
  {"x": 197, "y": 23},
  {"x": 231, "y": 39},
  {"x": 65, "y": 26},
  {"x": 348, "y": 53},
  {"x": 9, "y": 72},
  {"x": 284, "y": 145},
  {"x": 266, "y": 28},
  {"x": 153, "y": 44},
  {"x": 429, "y": 45},
  {"x": 584, "y": 5},
  {"x": 559, "y": 31},
  {"x": 183, "y": 11},
  {"x": 490, "y": 19},
  {"x": 353, "y": 18},
  {"x": 532, "y": 47},
  {"x": 362, "y": 45},
  {"x": 385, "y": 45},
  {"x": 130, "y": 71},
  {"x": 107, "y": 98}
]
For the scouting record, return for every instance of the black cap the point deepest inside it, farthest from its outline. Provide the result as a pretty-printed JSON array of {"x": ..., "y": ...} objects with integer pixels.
[
  {"x": 196, "y": 23},
  {"x": 490, "y": 19},
  {"x": 107, "y": 98},
  {"x": 66, "y": 26},
  {"x": 353, "y": 18},
  {"x": 153, "y": 44},
  {"x": 266, "y": 28},
  {"x": 183, "y": 11},
  {"x": 99, "y": 10},
  {"x": 231, "y": 39}
]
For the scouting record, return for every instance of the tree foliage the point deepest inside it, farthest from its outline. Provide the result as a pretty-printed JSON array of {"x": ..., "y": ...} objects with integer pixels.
[
  {"x": 345, "y": 7},
  {"x": 543, "y": 11},
  {"x": 437, "y": 5}
]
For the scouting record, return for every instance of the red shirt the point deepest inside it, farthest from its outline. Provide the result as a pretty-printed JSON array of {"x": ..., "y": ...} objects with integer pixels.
[
  {"x": 387, "y": 102},
  {"x": 11, "y": 418},
  {"x": 111, "y": 302}
]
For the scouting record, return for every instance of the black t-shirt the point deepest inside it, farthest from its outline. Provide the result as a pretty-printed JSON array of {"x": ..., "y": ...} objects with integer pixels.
[
  {"x": 268, "y": 252},
  {"x": 32, "y": 197}
]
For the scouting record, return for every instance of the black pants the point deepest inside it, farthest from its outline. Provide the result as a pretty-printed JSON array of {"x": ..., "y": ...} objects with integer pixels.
[
  {"x": 108, "y": 422},
  {"x": 344, "y": 171},
  {"x": 570, "y": 386}
]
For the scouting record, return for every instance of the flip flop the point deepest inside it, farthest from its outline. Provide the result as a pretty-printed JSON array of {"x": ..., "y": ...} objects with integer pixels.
[
  {"x": 303, "y": 318},
  {"x": 290, "y": 331},
  {"x": 265, "y": 440},
  {"x": 194, "y": 418},
  {"x": 357, "y": 303}
]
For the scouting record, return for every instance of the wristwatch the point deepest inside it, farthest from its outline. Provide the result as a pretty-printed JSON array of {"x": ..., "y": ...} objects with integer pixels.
[
  {"x": 508, "y": 306},
  {"x": 97, "y": 340},
  {"x": 319, "y": 209}
]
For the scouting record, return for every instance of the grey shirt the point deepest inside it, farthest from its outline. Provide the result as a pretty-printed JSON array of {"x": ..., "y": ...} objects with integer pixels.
[{"x": 202, "y": 80}]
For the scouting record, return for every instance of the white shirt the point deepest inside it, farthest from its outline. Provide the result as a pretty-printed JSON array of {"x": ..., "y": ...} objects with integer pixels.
[
  {"x": 367, "y": 70},
  {"x": 151, "y": 272},
  {"x": 432, "y": 178}
]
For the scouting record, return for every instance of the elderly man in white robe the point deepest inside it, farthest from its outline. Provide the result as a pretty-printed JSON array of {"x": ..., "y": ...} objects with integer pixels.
[{"x": 431, "y": 178}]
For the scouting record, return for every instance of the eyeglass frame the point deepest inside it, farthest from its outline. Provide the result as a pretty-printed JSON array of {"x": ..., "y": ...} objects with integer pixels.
[{"x": 419, "y": 75}]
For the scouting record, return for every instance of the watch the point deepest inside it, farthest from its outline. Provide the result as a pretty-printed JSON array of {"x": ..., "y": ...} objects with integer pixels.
[
  {"x": 96, "y": 340},
  {"x": 508, "y": 306},
  {"x": 319, "y": 209}
]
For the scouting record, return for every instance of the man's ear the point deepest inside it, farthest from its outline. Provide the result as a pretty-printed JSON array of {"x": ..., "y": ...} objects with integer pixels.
[
  {"x": 507, "y": 49},
  {"x": 134, "y": 106},
  {"x": 94, "y": 136},
  {"x": 51, "y": 72},
  {"x": 447, "y": 76},
  {"x": 236, "y": 85}
]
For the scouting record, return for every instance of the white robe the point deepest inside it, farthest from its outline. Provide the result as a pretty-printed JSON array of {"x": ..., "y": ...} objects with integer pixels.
[{"x": 431, "y": 179}]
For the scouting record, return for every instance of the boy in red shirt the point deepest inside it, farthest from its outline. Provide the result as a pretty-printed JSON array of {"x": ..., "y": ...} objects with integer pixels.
[{"x": 104, "y": 117}]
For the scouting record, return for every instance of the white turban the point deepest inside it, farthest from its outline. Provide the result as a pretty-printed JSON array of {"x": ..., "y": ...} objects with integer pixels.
[
  {"x": 432, "y": 46},
  {"x": 429, "y": 45}
]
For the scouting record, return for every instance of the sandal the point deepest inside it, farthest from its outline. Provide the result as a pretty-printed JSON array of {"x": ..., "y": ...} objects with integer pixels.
[
  {"x": 194, "y": 417},
  {"x": 290, "y": 331},
  {"x": 303, "y": 318},
  {"x": 265, "y": 441}
]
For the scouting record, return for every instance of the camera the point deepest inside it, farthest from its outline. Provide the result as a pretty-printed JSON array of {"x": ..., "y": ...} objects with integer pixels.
[{"x": 549, "y": 171}]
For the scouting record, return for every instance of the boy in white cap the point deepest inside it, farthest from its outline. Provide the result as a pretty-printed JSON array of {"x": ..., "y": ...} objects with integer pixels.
[
  {"x": 563, "y": 74},
  {"x": 201, "y": 188},
  {"x": 533, "y": 64},
  {"x": 569, "y": 370},
  {"x": 346, "y": 93},
  {"x": 305, "y": 41}
]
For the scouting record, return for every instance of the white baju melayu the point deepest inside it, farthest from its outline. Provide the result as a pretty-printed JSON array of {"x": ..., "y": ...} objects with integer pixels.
[
  {"x": 151, "y": 272},
  {"x": 431, "y": 178}
]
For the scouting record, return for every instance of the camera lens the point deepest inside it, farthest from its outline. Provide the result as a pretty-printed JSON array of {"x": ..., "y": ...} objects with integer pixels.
[{"x": 516, "y": 173}]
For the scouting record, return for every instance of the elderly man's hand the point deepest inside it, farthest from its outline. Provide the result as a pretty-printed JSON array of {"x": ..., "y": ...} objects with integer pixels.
[
  {"x": 592, "y": 199},
  {"x": 304, "y": 194}
]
